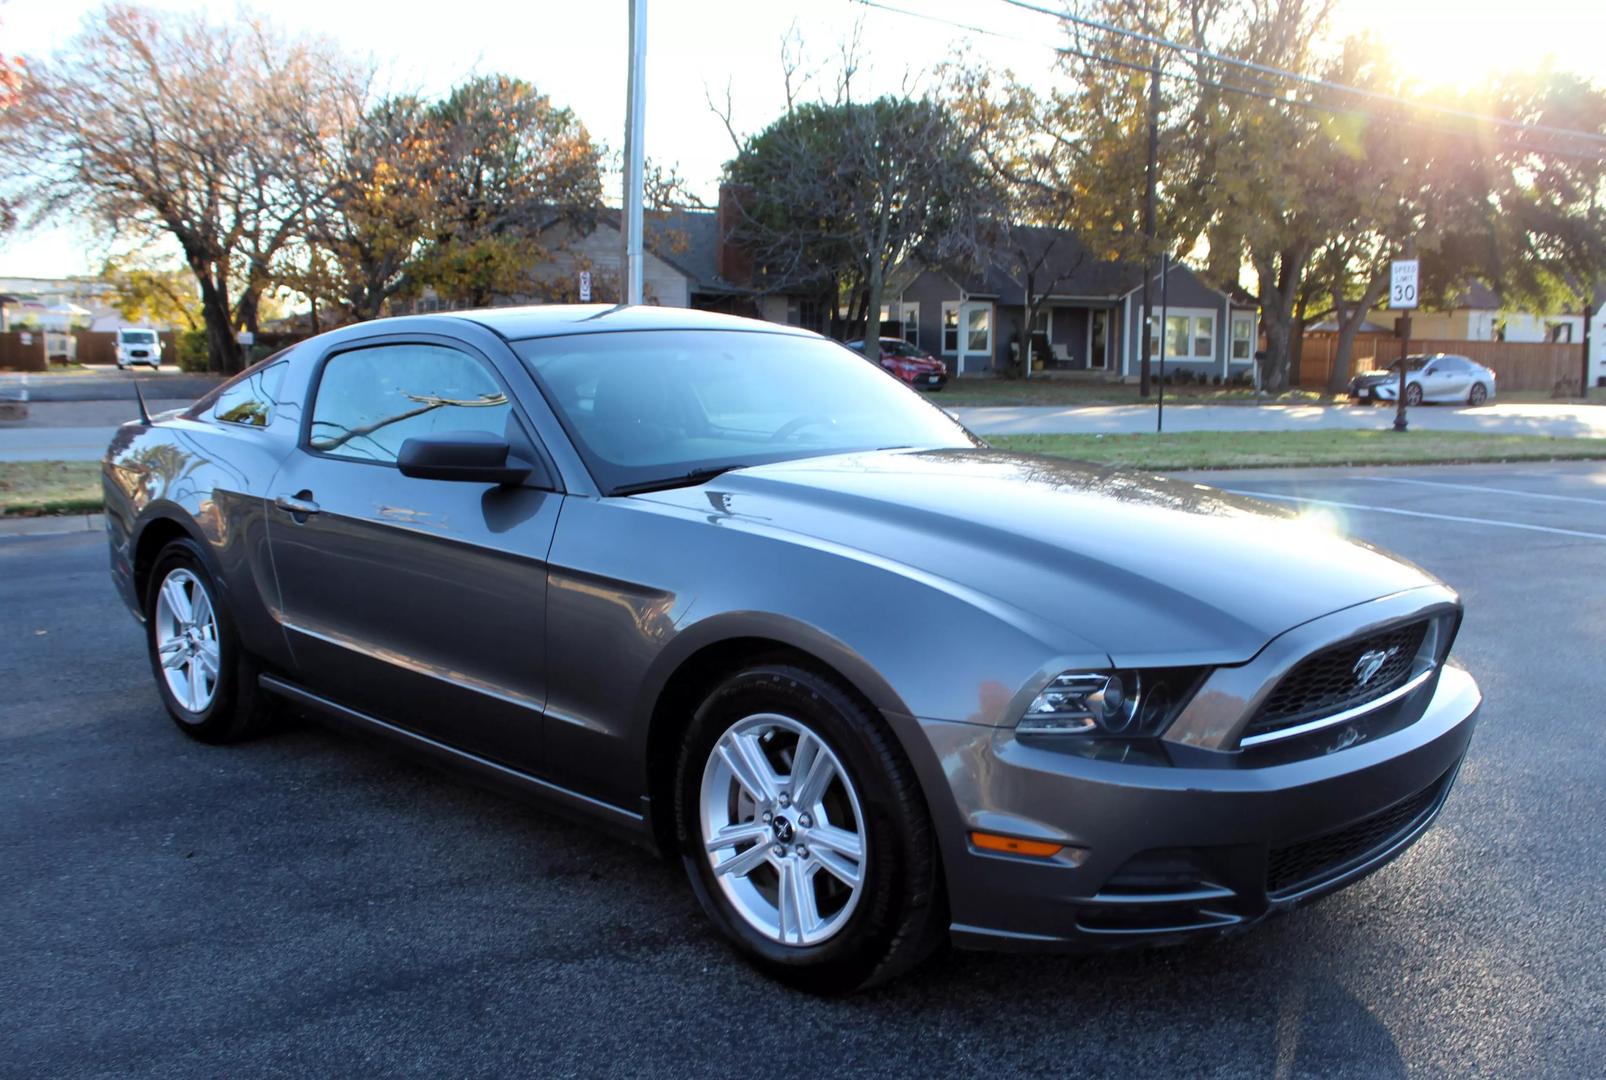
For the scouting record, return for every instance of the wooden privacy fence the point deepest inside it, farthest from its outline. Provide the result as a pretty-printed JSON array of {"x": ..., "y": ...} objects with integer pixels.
[
  {"x": 1517, "y": 365},
  {"x": 22, "y": 350}
]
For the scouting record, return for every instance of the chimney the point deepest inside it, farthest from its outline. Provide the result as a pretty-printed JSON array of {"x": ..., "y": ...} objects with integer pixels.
[{"x": 731, "y": 261}]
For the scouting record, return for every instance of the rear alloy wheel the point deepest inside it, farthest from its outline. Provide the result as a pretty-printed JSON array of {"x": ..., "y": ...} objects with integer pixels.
[
  {"x": 1413, "y": 394},
  {"x": 1478, "y": 395},
  {"x": 207, "y": 682},
  {"x": 804, "y": 833}
]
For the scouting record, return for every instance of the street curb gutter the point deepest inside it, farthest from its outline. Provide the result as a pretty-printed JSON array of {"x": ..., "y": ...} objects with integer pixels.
[{"x": 52, "y": 525}]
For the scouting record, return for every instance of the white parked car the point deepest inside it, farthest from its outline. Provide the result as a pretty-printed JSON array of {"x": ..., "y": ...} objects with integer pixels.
[
  {"x": 137, "y": 345},
  {"x": 1440, "y": 377}
]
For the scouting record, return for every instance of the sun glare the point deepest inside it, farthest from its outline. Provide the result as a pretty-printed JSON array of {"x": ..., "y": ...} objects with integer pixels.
[{"x": 1462, "y": 44}]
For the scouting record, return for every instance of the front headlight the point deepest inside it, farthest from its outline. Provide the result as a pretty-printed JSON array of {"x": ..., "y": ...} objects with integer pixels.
[{"x": 1118, "y": 704}]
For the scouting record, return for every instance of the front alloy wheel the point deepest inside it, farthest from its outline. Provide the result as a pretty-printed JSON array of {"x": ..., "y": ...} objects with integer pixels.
[
  {"x": 1413, "y": 394},
  {"x": 783, "y": 829},
  {"x": 804, "y": 831}
]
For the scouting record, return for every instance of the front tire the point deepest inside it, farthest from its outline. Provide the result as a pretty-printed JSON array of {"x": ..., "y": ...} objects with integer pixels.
[
  {"x": 804, "y": 833},
  {"x": 207, "y": 681},
  {"x": 1413, "y": 394}
]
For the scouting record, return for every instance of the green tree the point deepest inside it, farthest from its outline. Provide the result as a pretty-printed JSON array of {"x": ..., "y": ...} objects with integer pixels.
[{"x": 836, "y": 195}]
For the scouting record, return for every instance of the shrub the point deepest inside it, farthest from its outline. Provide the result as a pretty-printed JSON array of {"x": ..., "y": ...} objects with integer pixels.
[{"x": 193, "y": 354}]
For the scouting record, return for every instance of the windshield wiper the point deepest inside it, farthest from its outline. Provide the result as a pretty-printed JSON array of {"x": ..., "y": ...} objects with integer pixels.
[{"x": 691, "y": 479}]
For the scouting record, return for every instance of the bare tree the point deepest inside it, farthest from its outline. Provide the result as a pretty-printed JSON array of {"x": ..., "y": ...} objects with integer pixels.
[{"x": 211, "y": 133}]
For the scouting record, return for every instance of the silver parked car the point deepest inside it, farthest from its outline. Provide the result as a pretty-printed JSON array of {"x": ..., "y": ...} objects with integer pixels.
[
  {"x": 1442, "y": 377},
  {"x": 726, "y": 589}
]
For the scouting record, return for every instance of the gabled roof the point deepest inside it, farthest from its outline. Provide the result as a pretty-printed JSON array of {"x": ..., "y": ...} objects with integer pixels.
[
  {"x": 1064, "y": 266},
  {"x": 687, "y": 240}
]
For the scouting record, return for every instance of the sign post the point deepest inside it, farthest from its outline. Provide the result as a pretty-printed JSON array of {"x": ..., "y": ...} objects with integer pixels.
[{"x": 1403, "y": 291}]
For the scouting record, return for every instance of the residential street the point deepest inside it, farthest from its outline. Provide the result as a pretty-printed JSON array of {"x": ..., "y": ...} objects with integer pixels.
[
  {"x": 1560, "y": 419},
  {"x": 307, "y": 904}
]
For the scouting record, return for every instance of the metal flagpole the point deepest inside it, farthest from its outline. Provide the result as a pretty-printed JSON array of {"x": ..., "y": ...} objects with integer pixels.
[{"x": 635, "y": 162}]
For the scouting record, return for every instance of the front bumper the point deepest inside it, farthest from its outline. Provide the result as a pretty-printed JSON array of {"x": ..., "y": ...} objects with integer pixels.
[{"x": 1163, "y": 852}]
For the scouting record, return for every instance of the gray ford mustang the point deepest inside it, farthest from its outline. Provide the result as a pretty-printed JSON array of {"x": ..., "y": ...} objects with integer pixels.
[{"x": 725, "y": 588}]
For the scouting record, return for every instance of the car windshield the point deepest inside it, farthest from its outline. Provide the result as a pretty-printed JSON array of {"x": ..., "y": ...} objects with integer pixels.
[
  {"x": 659, "y": 408},
  {"x": 138, "y": 337}
]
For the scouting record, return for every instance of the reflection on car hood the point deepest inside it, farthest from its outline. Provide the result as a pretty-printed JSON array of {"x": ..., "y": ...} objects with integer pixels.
[{"x": 1145, "y": 568}]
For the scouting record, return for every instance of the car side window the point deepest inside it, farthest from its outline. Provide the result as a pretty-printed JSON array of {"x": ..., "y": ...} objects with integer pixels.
[
  {"x": 250, "y": 401},
  {"x": 371, "y": 400}
]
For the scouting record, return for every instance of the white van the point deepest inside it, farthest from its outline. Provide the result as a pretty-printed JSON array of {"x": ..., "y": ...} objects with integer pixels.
[{"x": 137, "y": 345}]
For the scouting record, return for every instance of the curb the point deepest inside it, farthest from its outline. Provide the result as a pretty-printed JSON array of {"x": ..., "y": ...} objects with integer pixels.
[{"x": 52, "y": 524}]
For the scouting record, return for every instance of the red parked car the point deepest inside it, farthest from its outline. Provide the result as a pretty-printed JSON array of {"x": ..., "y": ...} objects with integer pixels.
[{"x": 913, "y": 365}]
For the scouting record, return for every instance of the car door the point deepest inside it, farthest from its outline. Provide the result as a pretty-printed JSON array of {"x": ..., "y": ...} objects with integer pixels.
[
  {"x": 1457, "y": 378},
  {"x": 1432, "y": 380},
  {"x": 421, "y": 602}
]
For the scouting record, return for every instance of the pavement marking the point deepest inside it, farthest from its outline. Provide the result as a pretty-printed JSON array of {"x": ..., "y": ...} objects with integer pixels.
[
  {"x": 1417, "y": 513},
  {"x": 1491, "y": 490}
]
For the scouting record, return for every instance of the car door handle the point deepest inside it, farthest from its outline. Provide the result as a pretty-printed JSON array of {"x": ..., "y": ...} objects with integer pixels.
[{"x": 298, "y": 505}]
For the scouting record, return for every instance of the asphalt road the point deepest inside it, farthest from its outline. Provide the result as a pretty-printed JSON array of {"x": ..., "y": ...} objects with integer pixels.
[{"x": 306, "y": 904}]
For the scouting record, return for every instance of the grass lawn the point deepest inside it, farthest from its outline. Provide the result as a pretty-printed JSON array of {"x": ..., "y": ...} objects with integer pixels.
[
  {"x": 1244, "y": 449},
  {"x": 1042, "y": 391},
  {"x": 1597, "y": 396},
  {"x": 49, "y": 487}
]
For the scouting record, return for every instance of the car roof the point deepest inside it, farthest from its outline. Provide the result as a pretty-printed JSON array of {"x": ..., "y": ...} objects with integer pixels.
[{"x": 552, "y": 320}]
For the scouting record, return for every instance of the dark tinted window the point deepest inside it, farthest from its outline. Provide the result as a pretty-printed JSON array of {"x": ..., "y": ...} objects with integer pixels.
[
  {"x": 1453, "y": 363},
  {"x": 250, "y": 400},
  {"x": 372, "y": 400},
  {"x": 645, "y": 407}
]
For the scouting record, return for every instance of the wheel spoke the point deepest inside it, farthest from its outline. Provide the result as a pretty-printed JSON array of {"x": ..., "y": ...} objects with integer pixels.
[
  {"x": 752, "y": 770},
  {"x": 799, "y": 916},
  {"x": 177, "y": 602},
  {"x": 741, "y": 832},
  {"x": 838, "y": 867},
  {"x": 209, "y": 659},
  {"x": 745, "y": 863},
  {"x": 201, "y": 609},
  {"x": 197, "y": 685},
  {"x": 812, "y": 773},
  {"x": 171, "y": 652}
]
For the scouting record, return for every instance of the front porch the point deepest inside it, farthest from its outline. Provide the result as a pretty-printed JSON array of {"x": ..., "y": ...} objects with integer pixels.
[{"x": 1078, "y": 339}]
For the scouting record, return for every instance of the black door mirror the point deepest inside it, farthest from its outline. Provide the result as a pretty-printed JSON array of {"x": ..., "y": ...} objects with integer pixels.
[{"x": 478, "y": 457}]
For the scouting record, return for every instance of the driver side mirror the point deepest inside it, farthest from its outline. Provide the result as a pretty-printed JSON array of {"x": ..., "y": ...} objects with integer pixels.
[{"x": 477, "y": 457}]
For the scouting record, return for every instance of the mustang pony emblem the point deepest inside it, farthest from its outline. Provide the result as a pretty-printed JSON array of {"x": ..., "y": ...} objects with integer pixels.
[{"x": 1370, "y": 663}]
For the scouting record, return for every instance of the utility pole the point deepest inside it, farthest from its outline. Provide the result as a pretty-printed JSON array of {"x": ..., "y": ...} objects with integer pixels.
[
  {"x": 1165, "y": 277},
  {"x": 1148, "y": 222},
  {"x": 635, "y": 160}
]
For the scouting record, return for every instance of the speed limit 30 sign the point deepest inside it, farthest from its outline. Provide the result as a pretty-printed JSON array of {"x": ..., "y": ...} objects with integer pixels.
[{"x": 1403, "y": 283}]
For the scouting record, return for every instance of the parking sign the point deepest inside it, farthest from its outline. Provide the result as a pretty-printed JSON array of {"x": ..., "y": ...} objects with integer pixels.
[
  {"x": 585, "y": 286},
  {"x": 1402, "y": 283}
]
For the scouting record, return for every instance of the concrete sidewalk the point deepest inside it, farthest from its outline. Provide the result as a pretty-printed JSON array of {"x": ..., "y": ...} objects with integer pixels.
[{"x": 1563, "y": 420}]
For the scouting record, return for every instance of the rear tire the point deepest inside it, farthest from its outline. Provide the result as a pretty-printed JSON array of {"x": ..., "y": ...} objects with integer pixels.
[
  {"x": 866, "y": 919},
  {"x": 207, "y": 681},
  {"x": 1413, "y": 394},
  {"x": 1478, "y": 394}
]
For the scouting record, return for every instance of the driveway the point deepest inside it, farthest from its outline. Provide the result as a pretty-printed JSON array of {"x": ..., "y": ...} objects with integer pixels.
[
  {"x": 306, "y": 904},
  {"x": 1496, "y": 419}
]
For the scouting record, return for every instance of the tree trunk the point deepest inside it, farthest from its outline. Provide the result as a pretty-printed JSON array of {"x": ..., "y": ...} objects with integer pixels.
[
  {"x": 1349, "y": 325},
  {"x": 1279, "y": 274},
  {"x": 223, "y": 350},
  {"x": 872, "y": 312}
]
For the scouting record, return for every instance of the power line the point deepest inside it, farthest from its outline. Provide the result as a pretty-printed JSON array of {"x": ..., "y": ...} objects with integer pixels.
[
  {"x": 1307, "y": 80},
  {"x": 1274, "y": 96}
]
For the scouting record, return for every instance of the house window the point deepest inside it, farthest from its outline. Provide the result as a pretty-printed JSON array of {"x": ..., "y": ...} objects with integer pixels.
[
  {"x": 1041, "y": 323},
  {"x": 950, "y": 328},
  {"x": 1190, "y": 336},
  {"x": 1560, "y": 332},
  {"x": 1243, "y": 336},
  {"x": 911, "y": 324},
  {"x": 979, "y": 329}
]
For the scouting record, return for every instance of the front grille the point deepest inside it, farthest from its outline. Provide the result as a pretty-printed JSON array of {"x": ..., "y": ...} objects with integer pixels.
[
  {"x": 1328, "y": 682},
  {"x": 1309, "y": 862}
]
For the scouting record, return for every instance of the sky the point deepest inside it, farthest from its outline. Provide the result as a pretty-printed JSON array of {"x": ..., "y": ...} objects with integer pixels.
[{"x": 576, "y": 52}]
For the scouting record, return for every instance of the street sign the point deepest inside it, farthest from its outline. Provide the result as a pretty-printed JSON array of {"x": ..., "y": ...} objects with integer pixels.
[
  {"x": 1402, "y": 283},
  {"x": 585, "y": 286},
  {"x": 245, "y": 337}
]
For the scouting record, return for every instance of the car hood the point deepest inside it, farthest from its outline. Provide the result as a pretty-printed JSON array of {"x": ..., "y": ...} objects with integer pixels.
[{"x": 1148, "y": 570}]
